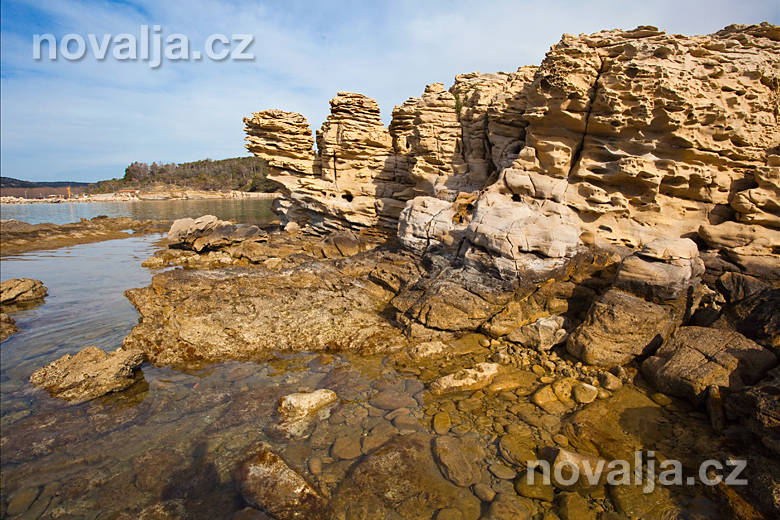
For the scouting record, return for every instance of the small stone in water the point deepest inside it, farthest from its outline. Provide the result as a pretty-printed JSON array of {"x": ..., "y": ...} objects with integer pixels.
[
  {"x": 315, "y": 465},
  {"x": 449, "y": 513},
  {"x": 484, "y": 492},
  {"x": 442, "y": 423},
  {"x": 347, "y": 447},
  {"x": 538, "y": 370},
  {"x": 585, "y": 393},
  {"x": 484, "y": 342},
  {"x": 502, "y": 472}
]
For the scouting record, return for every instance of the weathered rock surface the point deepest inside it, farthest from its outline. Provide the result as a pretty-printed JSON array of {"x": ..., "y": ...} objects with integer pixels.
[
  {"x": 19, "y": 292},
  {"x": 401, "y": 478},
  {"x": 631, "y": 135},
  {"x": 760, "y": 406},
  {"x": 315, "y": 305},
  {"x": 268, "y": 483},
  {"x": 542, "y": 334},
  {"x": 618, "y": 328},
  {"x": 466, "y": 379},
  {"x": 697, "y": 357},
  {"x": 18, "y": 237},
  {"x": 7, "y": 326},
  {"x": 89, "y": 374}
]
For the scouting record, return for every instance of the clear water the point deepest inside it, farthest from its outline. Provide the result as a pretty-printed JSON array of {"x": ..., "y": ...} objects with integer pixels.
[
  {"x": 174, "y": 437},
  {"x": 247, "y": 211}
]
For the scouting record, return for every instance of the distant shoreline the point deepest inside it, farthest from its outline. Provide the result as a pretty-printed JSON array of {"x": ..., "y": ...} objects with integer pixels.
[{"x": 146, "y": 196}]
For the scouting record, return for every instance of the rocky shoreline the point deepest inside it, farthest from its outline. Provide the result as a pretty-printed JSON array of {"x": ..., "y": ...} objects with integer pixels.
[
  {"x": 20, "y": 237},
  {"x": 158, "y": 194},
  {"x": 575, "y": 262}
]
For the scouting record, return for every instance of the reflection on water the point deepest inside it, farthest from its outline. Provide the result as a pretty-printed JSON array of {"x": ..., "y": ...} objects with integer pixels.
[{"x": 246, "y": 211}]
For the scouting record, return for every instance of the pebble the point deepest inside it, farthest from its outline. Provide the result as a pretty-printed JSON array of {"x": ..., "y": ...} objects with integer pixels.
[
  {"x": 347, "y": 447},
  {"x": 609, "y": 381},
  {"x": 449, "y": 513},
  {"x": 391, "y": 400},
  {"x": 484, "y": 492},
  {"x": 585, "y": 393},
  {"x": 603, "y": 394},
  {"x": 561, "y": 440},
  {"x": 536, "y": 489},
  {"x": 661, "y": 399},
  {"x": 538, "y": 370},
  {"x": 484, "y": 342},
  {"x": 546, "y": 379},
  {"x": 502, "y": 472},
  {"x": 315, "y": 465},
  {"x": 442, "y": 423}
]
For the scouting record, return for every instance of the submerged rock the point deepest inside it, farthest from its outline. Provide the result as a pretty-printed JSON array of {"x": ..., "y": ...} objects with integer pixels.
[
  {"x": 268, "y": 483},
  {"x": 7, "y": 326},
  {"x": 89, "y": 374},
  {"x": 400, "y": 479},
  {"x": 298, "y": 405},
  {"x": 466, "y": 379}
]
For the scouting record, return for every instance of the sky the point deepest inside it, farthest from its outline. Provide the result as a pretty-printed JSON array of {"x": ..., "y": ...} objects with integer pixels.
[{"x": 87, "y": 120}]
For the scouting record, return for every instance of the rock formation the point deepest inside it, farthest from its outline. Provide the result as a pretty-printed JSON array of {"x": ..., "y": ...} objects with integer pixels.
[
  {"x": 632, "y": 135},
  {"x": 19, "y": 237},
  {"x": 89, "y": 374},
  {"x": 18, "y": 294}
]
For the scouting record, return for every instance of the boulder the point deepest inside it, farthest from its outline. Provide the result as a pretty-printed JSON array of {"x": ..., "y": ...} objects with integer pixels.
[
  {"x": 89, "y": 374},
  {"x": 18, "y": 293},
  {"x": 665, "y": 269},
  {"x": 758, "y": 318},
  {"x": 266, "y": 482},
  {"x": 618, "y": 328},
  {"x": 300, "y": 404},
  {"x": 697, "y": 357},
  {"x": 759, "y": 406},
  {"x": 466, "y": 379},
  {"x": 542, "y": 334}
]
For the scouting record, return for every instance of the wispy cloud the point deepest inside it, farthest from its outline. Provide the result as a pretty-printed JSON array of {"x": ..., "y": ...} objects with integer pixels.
[{"x": 86, "y": 120}]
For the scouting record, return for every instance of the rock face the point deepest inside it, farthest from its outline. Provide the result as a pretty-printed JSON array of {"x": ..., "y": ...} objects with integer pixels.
[
  {"x": 631, "y": 135},
  {"x": 650, "y": 296},
  {"x": 89, "y": 374},
  {"x": 697, "y": 357},
  {"x": 18, "y": 293},
  {"x": 267, "y": 482},
  {"x": 760, "y": 407}
]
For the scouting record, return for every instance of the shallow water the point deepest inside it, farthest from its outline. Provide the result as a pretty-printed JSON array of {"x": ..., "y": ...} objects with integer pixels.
[
  {"x": 176, "y": 437},
  {"x": 247, "y": 211}
]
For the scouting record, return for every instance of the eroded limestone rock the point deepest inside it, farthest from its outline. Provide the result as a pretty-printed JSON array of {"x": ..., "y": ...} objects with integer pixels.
[
  {"x": 89, "y": 374},
  {"x": 697, "y": 357}
]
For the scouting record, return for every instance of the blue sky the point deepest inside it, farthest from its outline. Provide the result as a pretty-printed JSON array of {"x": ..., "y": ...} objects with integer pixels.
[{"x": 87, "y": 120}]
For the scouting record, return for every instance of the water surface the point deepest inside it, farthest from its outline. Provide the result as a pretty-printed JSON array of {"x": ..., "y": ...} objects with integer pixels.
[{"x": 247, "y": 211}]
